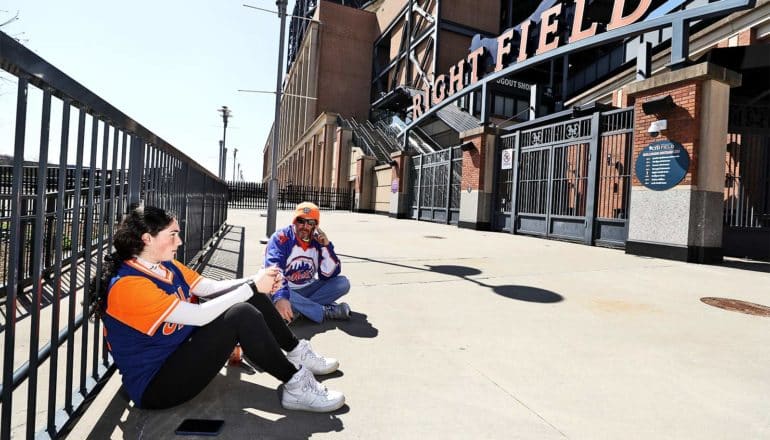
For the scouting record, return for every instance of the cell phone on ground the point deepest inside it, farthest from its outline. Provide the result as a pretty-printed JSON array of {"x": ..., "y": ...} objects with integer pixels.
[{"x": 200, "y": 427}]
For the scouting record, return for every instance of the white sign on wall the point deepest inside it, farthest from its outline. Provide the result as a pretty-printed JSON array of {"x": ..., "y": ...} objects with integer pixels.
[{"x": 506, "y": 162}]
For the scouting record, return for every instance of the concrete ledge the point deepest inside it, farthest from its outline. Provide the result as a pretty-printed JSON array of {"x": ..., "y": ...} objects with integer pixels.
[
  {"x": 690, "y": 254},
  {"x": 483, "y": 129},
  {"x": 698, "y": 71},
  {"x": 479, "y": 226}
]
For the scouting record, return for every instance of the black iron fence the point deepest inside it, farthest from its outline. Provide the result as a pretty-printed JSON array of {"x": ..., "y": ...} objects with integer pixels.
[
  {"x": 569, "y": 179},
  {"x": 746, "y": 227},
  {"x": 434, "y": 185},
  {"x": 28, "y": 218},
  {"x": 253, "y": 195},
  {"x": 86, "y": 163}
]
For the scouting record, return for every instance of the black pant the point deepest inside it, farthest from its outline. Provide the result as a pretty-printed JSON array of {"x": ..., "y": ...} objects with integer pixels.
[{"x": 255, "y": 324}]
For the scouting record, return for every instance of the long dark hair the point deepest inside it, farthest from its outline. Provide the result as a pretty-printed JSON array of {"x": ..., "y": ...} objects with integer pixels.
[{"x": 127, "y": 242}]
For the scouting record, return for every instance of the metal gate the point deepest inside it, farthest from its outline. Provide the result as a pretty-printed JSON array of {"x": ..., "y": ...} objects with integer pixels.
[
  {"x": 569, "y": 180},
  {"x": 434, "y": 182},
  {"x": 746, "y": 227}
]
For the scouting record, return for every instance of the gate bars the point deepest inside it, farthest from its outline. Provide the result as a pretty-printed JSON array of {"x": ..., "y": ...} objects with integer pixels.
[
  {"x": 57, "y": 221},
  {"x": 569, "y": 180},
  {"x": 434, "y": 182}
]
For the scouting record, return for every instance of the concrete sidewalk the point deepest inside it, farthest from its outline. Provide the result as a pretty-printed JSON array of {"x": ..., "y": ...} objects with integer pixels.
[{"x": 461, "y": 334}]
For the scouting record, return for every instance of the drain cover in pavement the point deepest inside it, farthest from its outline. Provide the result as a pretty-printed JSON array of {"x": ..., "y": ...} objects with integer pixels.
[{"x": 737, "y": 305}]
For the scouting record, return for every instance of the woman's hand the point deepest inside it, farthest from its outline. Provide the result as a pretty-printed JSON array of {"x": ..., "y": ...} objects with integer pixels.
[
  {"x": 268, "y": 280},
  {"x": 278, "y": 281}
]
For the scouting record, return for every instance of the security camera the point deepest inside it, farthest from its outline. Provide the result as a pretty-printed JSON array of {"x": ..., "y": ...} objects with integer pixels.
[{"x": 656, "y": 127}]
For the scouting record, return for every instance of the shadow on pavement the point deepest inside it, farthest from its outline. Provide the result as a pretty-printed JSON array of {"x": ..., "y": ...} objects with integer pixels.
[
  {"x": 358, "y": 326},
  {"x": 521, "y": 293},
  {"x": 249, "y": 410},
  {"x": 527, "y": 293},
  {"x": 752, "y": 265},
  {"x": 458, "y": 271},
  {"x": 223, "y": 259}
]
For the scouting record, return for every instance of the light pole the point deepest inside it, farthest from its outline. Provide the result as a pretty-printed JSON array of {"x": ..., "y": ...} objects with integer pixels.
[
  {"x": 235, "y": 151},
  {"x": 226, "y": 114},
  {"x": 272, "y": 188},
  {"x": 219, "y": 164}
]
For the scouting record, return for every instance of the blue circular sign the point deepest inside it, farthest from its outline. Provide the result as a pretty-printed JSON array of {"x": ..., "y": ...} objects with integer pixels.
[{"x": 662, "y": 164}]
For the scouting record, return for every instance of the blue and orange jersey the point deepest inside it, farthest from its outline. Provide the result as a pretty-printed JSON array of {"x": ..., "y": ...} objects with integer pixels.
[
  {"x": 301, "y": 263},
  {"x": 138, "y": 302}
]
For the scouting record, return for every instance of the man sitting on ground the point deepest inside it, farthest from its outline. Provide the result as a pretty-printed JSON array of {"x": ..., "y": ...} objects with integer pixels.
[{"x": 311, "y": 270}]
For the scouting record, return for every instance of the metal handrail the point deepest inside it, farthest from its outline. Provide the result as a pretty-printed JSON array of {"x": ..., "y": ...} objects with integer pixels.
[{"x": 136, "y": 166}]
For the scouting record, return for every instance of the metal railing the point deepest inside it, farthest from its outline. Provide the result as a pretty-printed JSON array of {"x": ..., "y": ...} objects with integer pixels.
[
  {"x": 253, "y": 195},
  {"x": 58, "y": 213}
]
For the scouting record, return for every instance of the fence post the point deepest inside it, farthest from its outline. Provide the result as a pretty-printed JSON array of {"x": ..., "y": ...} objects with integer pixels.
[
  {"x": 593, "y": 176},
  {"x": 515, "y": 180},
  {"x": 135, "y": 170},
  {"x": 50, "y": 220},
  {"x": 183, "y": 214}
]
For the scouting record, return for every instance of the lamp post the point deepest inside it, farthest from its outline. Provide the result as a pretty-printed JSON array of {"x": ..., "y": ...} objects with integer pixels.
[
  {"x": 272, "y": 197},
  {"x": 235, "y": 151},
  {"x": 226, "y": 114},
  {"x": 219, "y": 164}
]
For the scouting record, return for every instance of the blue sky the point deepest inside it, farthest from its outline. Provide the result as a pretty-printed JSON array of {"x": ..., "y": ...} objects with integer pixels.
[{"x": 169, "y": 64}]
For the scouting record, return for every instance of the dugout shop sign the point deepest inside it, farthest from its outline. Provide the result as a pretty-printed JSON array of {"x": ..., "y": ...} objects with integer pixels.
[
  {"x": 662, "y": 165},
  {"x": 562, "y": 29}
]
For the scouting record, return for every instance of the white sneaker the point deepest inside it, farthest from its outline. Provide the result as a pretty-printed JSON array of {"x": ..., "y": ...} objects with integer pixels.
[
  {"x": 303, "y": 355},
  {"x": 304, "y": 393}
]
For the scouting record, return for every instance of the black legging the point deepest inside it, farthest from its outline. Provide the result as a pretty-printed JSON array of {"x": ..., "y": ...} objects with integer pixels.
[{"x": 255, "y": 324}]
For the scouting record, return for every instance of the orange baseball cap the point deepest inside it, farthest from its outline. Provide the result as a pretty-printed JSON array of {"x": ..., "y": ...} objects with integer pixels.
[{"x": 307, "y": 210}]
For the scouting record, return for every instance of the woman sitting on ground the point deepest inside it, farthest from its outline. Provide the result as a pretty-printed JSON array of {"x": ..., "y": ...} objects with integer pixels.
[{"x": 168, "y": 347}]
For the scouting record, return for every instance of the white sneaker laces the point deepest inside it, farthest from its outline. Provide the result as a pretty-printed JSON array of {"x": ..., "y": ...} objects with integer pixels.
[
  {"x": 309, "y": 355},
  {"x": 310, "y": 384}
]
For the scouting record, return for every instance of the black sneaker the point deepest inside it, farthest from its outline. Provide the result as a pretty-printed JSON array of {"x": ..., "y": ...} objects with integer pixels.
[{"x": 339, "y": 311}]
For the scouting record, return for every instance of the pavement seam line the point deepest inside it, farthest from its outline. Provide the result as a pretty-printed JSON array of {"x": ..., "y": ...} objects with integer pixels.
[{"x": 518, "y": 400}]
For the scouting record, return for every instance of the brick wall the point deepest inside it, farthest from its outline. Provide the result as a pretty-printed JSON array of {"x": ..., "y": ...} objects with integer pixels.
[
  {"x": 468, "y": 13},
  {"x": 345, "y": 64},
  {"x": 683, "y": 125},
  {"x": 473, "y": 159}
]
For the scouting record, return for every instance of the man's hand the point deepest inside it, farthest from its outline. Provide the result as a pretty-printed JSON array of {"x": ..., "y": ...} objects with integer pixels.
[
  {"x": 284, "y": 309},
  {"x": 268, "y": 280},
  {"x": 321, "y": 237}
]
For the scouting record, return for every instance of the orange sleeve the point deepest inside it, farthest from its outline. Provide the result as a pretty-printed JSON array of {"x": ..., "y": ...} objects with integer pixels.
[
  {"x": 140, "y": 304},
  {"x": 191, "y": 277}
]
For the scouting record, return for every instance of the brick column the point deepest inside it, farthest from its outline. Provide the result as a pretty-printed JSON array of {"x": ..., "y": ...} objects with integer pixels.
[
  {"x": 364, "y": 201},
  {"x": 477, "y": 187},
  {"x": 342, "y": 139},
  {"x": 399, "y": 191},
  {"x": 684, "y": 222}
]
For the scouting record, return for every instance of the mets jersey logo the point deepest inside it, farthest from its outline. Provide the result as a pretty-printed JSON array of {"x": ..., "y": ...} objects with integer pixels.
[
  {"x": 170, "y": 327},
  {"x": 300, "y": 270}
]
